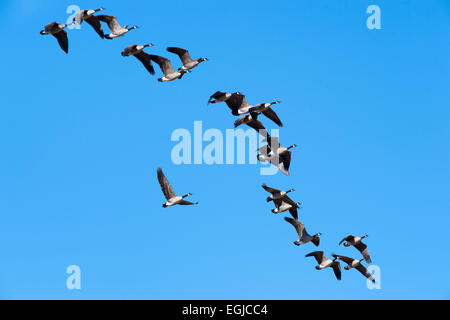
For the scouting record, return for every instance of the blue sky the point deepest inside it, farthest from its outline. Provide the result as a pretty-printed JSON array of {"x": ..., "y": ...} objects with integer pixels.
[{"x": 83, "y": 134}]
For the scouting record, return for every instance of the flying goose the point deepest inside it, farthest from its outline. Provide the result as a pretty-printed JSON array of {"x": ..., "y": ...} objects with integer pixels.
[
  {"x": 276, "y": 154},
  {"x": 303, "y": 235},
  {"x": 356, "y": 264},
  {"x": 137, "y": 51},
  {"x": 57, "y": 30},
  {"x": 116, "y": 29},
  {"x": 188, "y": 63},
  {"x": 282, "y": 206},
  {"x": 265, "y": 109},
  {"x": 172, "y": 198},
  {"x": 88, "y": 16},
  {"x": 357, "y": 243},
  {"x": 278, "y": 194},
  {"x": 324, "y": 262},
  {"x": 252, "y": 121},
  {"x": 166, "y": 67}
]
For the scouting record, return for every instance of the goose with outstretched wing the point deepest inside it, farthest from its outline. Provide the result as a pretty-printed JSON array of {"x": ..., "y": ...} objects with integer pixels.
[
  {"x": 116, "y": 29},
  {"x": 171, "y": 196},
  {"x": 57, "y": 30},
  {"x": 324, "y": 262},
  {"x": 303, "y": 236},
  {"x": 137, "y": 51},
  {"x": 188, "y": 62},
  {"x": 356, "y": 242},
  {"x": 355, "y": 264}
]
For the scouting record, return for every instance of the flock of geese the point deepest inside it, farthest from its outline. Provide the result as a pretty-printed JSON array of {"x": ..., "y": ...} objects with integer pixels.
[
  {"x": 116, "y": 30},
  {"x": 273, "y": 152},
  {"x": 284, "y": 203}
]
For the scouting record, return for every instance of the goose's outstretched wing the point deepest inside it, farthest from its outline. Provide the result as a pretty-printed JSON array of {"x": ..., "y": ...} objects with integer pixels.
[
  {"x": 186, "y": 203},
  {"x": 111, "y": 21},
  {"x": 50, "y": 26},
  {"x": 294, "y": 213},
  {"x": 146, "y": 61},
  {"x": 182, "y": 53},
  {"x": 269, "y": 189},
  {"x": 165, "y": 185},
  {"x": 62, "y": 40},
  {"x": 364, "y": 251},
  {"x": 285, "y": 162},
  {"x": 269, "y": 113},
  {"x": 299, "y": 226},
  {"x": 337, "y": 269},
  {"x": 216, "y": 95},
  {"x": 318, "y": 255},
  {"x": 94, "y": 22},
  {"x": 364, "y": 272},
  {"x": 259, "y": 127},
  {"x": 164, "y": 64}
]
